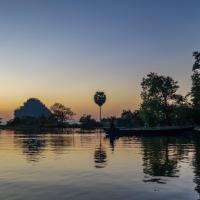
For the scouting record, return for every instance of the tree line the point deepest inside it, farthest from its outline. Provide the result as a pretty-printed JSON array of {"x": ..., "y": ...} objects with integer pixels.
[{"x": 161, "y": 106}]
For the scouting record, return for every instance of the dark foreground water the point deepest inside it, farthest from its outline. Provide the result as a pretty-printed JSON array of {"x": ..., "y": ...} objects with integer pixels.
[{"x": 70, "y": 165}]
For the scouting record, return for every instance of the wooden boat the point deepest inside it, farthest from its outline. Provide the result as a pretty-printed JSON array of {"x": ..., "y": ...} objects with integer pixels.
[{"x": 155, "y": 130}]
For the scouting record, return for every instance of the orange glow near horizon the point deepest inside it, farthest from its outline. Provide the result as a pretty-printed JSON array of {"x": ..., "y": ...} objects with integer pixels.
[
  {"x": 80, "y": 102},
  {"x": 67, "y": 55}
]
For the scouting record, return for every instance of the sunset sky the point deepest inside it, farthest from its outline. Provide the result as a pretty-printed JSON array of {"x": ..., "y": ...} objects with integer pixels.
[{"x": 64, "y": 51}]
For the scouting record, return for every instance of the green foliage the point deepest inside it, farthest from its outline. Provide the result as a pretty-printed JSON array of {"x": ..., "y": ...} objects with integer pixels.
[
  {"x": 182, "y": 112},
  {"x": 195, "y": 91},
  {"x": 158, "y": 95},
  {"x": 28, "y": 122},
  {"x": 106, "y": 122},
  {"x": 160, "y": 87},
  {"x": 129, "y": 119},
  {"x": 61, "y": 113},
  {"x": 196, "y": 65},
  {"x": 151, "y": 113},
  {"x": 88, "y": 122}
]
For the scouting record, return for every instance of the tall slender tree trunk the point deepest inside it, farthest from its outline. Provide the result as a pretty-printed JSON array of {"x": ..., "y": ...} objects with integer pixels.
[
  {"x": 100, "y": 114},
  {"x": 100, "y": 121}
]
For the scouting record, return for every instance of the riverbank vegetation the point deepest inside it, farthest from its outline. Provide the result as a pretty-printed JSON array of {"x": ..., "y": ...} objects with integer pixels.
[
  {"x": 58, "y": 118},
  {"x": 161, "y": 105}
]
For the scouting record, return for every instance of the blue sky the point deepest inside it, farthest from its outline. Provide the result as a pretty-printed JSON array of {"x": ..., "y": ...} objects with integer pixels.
[{"x": 66, "y": 50}]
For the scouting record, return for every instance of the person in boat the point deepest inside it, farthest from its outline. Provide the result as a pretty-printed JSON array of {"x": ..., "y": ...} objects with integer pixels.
[{"x": 112, "y": 124}]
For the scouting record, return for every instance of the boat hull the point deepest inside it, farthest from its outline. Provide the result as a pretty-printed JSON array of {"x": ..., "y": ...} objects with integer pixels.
[{"x": 156, "y": 131}]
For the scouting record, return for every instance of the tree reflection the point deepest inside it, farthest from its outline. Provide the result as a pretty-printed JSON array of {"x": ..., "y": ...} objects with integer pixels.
[
  {"x": 100, "y": 156},
  {"x": 196, "y": 163},
  {"x": 161, "y": 155},
  {"x": 32, "y": 144},
  {"x": 157, "y": 161},
  {"x": 60, "y": 139},
  {"x": 60, "y": 142}
]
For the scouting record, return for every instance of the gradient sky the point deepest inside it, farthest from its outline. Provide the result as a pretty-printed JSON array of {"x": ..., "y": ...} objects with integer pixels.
[{"x": 63, "y": 51}]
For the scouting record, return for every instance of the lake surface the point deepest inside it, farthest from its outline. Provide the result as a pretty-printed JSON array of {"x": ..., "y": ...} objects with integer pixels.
[{"x": 72, "y": 165}]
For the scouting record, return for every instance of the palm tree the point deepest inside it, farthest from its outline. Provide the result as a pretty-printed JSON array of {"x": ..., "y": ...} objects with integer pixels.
[{"x": 100, "y": 99}]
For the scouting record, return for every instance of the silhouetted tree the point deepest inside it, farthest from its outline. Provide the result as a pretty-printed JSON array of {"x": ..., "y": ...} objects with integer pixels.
[
  {"x": 196, "y": 65},
  {"x": 182, "y": 111},
  {"x": 106, "y": 121},
  {"x": 88, "y": 122},
  {"x": 158, "y": 94},
  {"x": 130, "y": 119},
  {"x": 151, "y": 113},
  {"x": 29, "y": 122},
  {"x": 61, "y": 113},
  {"x": 195, "y": 91},
  {"x": 100, "y": 99}
]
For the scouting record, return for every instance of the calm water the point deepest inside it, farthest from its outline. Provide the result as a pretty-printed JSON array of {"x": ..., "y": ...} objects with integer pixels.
[{"x": 73, "y": 165}]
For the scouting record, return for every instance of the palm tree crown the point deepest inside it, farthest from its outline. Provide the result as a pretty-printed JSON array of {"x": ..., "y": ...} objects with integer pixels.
[{"x": 99, "y": 98}]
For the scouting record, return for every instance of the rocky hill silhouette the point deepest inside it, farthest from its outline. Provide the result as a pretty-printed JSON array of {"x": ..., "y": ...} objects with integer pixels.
[{"x": 32, "y": 108}]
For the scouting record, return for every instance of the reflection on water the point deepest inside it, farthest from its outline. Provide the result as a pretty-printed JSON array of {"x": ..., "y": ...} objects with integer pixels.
[
  {"x": 159, "y": 158},
  {"x": 100, "y": 154},
  {"x": 72, "y": 164},
  {"x": 196, "y": 163},
  {"x": 32, "y": 145}
]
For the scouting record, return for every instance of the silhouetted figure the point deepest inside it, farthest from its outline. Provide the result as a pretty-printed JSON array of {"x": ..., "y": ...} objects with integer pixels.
[{"x": 112, "y": 123}]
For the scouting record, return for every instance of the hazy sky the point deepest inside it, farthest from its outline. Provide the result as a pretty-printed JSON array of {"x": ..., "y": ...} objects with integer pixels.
[{"x": 63, "y": 51}]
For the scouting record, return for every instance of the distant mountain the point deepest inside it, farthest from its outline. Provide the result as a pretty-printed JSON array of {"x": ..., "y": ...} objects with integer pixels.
[{"x": 32, "y": 108}]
